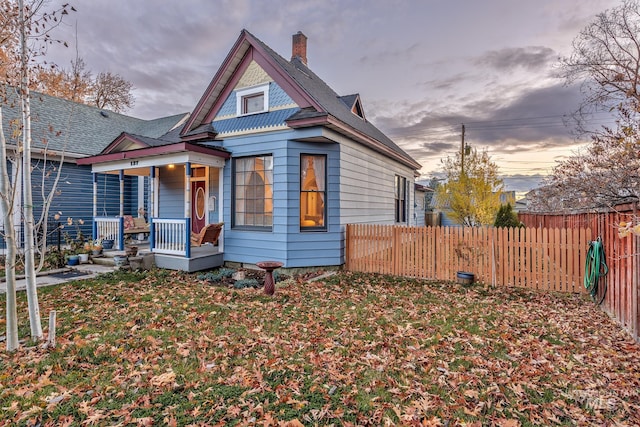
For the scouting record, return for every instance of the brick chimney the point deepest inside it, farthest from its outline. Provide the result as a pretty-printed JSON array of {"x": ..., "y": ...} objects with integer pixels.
[{"x": 299, "y": 47}]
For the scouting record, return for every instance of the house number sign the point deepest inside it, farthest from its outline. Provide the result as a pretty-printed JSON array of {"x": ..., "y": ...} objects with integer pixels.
[{"x": 134, "y": 162}]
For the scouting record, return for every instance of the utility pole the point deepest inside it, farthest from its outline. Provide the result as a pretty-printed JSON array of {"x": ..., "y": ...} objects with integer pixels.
[{"x": 462, "y": 152}]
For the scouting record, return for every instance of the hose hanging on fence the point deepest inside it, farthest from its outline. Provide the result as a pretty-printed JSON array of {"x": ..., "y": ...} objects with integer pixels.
[{"x": 596, "y": 268}]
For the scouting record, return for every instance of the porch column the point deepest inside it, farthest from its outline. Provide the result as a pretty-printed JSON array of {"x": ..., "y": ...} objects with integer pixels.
[
  {"x": 221, "y": 206},
  {"x": 121, "y": 192},
  {"x": 187, "y": 190},
  {"x": 140, "y": 194},
  {"x": 94, "y": 228},
  {"x": 152, "y": 193}
]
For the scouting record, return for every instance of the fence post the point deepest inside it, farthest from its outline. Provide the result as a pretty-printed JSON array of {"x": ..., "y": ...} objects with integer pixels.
[
  {"x": 396, "y": 250},
  {"x": 58, "y": 235},
  {"x": 347, "y": 245}
]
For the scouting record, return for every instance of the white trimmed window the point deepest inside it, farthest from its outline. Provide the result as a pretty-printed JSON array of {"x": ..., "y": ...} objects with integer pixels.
[
  {"x": 313, "y": 192},
  {"x": 252, "y": 100},
  {"x": 401, "y": 193},
  {"x": 253, "y": 192}
]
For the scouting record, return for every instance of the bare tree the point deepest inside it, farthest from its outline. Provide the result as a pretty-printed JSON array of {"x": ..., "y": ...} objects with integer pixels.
[
  {"x": 605, "y": 174},
  {"x": 112, "y": 91},
  {"x": 606, "y": 61},
  {"x": 107, "y": 90},
  {"x": 27, "y": 22},
  {"x": 7, "y": 198},
  {"x": 73, "y": 84}
]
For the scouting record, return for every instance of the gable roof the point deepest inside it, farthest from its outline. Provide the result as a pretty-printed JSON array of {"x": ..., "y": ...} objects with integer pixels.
[
  {"x": 319, "y": 104},
  {"x": 78, "y": 130}
]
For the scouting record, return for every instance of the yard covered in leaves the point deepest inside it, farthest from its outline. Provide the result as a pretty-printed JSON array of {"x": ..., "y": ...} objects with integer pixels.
[{"x": 168, "y": 349}]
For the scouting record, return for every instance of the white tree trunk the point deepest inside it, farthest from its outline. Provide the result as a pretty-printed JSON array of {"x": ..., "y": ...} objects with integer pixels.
[
  {"x": 6, "y": 202},
  {"x": 29, "y": 252}
]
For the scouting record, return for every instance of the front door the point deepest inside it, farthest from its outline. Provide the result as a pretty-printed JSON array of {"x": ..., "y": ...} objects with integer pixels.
[{"x": 198, "y": 205}]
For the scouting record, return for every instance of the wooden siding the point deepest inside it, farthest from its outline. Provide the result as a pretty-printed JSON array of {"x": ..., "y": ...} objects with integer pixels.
[
  {"x": 622, "y": 300},
  {"x": 314, "y": 248},
  {"x": 75, "y": 197},
  {"x": 544, "y": 259},
  {"x": 285, "y": 242},
  {"x": 171, "y": 192},
  {"x": 418, "y": 208},
  {"x": 75, "y": 194},
  {"x": 367, "y": 185},
  {"x": 247, "y": 246}
]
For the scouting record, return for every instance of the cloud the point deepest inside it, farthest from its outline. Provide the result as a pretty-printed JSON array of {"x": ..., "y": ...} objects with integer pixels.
[
  {"x": 536, "y": 116},
  {"x": 530, "y": 58},
  {"x": 522, "y": 183}
]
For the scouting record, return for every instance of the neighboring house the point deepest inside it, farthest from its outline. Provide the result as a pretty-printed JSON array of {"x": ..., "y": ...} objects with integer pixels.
[
  {"x": 274, "y": 153},
  {"x": 61, "y": 127},
  {"x": 420, "y": 204},
  {"x": 445, "y": 219}
]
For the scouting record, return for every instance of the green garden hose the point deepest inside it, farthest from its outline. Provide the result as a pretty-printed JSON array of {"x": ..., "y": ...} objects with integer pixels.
[{"x": 596, "y": 268}]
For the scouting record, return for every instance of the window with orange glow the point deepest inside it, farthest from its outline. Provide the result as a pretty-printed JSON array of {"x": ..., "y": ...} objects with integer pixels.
[{"x": 313, "y": 192}]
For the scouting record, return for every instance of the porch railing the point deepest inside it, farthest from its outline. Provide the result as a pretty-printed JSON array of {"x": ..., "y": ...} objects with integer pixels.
[
  {"x": 167, "y": 236},
  {"x": 110, "y": 228},
  {"x": 170, "y": 236}
]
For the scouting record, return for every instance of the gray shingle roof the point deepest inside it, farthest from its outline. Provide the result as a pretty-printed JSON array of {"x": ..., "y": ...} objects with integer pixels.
[
  {"x": 349, "y": 99},
  {"x": 151, "y": 142},
  {"x": 80, "y": 129},
  {"x": 330, "y": 101}
]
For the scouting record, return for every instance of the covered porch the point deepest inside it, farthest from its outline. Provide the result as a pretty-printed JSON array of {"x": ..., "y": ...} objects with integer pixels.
[{"x": 179, "y": 193}]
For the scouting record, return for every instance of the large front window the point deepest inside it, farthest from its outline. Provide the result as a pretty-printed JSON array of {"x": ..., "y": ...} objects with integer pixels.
[
  {"x": 312, "y": 191},
  {"x": 253, "y": 192}
]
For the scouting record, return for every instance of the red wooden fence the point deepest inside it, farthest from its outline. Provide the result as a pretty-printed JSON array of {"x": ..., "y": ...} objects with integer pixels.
[{"x": 622, "y": 300}]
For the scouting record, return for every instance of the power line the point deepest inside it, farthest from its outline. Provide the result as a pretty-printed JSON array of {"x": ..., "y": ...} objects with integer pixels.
[{"x": 503, "y": 124}]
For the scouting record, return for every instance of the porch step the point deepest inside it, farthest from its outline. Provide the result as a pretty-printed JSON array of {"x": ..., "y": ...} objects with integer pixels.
[
  {"x": 104, "y": 260},
  {"x": 107, "y": 257},
  {"x": 142, "y": 260}
]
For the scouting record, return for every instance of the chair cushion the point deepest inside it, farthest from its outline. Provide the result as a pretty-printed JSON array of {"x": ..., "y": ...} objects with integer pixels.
[{"x": 128, "y": 222}]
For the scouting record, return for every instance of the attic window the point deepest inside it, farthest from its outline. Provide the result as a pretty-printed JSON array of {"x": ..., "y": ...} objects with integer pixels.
[
  {"x": 357, "y": 109},
  {"x": 252, "y": 100}
]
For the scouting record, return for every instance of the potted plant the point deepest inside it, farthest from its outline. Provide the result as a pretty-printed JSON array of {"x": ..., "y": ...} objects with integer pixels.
[
  {"x": 95, "y": 247},
  {"x": 73, "y": 259},
  {"x": 83, "y": 256},
  {"x": 108, "y": 243},
  {"x": 120, "y": 260}
]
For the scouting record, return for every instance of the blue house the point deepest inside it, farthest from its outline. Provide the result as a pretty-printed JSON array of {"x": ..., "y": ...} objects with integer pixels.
[
  {"x": 64, "y": 131},
  {"x": 276, "y": 155}
]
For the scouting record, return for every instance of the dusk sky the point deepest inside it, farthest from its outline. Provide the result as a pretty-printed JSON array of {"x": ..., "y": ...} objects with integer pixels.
[{"x": 422, "y": 68}]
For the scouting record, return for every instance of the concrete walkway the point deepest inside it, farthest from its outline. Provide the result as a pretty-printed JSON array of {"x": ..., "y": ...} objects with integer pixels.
[{"x": 49, "y": 278}]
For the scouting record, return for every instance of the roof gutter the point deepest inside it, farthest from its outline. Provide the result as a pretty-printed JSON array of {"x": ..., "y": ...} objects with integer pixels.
[{"x": 154, "y": 151}]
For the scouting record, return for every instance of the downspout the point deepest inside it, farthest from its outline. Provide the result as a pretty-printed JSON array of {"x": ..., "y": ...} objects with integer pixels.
[
  {"x": 187, "y": 208},
  {"x": 121, "y": 192},
  {"x": 94, "y": 230},
  {"x": 152, "y": 192}
]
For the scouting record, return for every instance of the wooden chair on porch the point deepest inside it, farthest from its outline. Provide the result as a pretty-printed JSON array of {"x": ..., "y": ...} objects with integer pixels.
[{"x": 209, "y": 234}]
